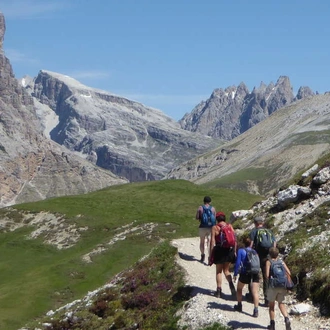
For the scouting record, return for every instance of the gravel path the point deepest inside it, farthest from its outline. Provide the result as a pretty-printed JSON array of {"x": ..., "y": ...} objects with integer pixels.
[{"x": 204, "y": 308}]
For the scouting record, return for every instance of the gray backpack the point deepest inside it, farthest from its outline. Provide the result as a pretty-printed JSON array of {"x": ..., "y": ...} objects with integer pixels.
[{"x": 252, "y": 262}]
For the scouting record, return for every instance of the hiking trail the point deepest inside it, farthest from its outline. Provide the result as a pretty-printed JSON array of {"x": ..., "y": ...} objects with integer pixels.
[{"x": 204, "y": 308}]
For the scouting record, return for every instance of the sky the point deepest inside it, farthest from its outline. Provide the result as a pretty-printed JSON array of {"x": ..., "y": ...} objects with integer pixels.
[{"x": 172, "y": 54}]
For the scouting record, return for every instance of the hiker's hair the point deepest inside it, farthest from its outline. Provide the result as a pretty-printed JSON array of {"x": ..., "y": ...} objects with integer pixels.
[
  {"x": 207, "y": 199},
  {"x": 247, "y": 241},
  {"x": 220, "y": 216},
  {"x": 273, "y": 252}
]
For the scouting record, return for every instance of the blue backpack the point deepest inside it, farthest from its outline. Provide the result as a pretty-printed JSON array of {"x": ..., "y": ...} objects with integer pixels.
[
  {"x": 208, "y": 218},
  {"x": 277, "y": 277}
]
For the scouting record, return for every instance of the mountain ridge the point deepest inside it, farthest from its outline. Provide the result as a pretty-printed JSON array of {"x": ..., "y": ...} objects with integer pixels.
[
  {"x": 230, "y": 112},
  {"x": 118, "y": 134},
  {"x": 33, "y": 167},
  {"x": 278, "y": 145}
]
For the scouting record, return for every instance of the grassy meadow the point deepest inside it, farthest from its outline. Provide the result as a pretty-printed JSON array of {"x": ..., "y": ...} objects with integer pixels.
[{"x": 37, "y": 277}]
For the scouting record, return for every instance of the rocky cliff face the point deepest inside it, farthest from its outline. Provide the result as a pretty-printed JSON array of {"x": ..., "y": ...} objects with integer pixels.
[
  {"x": 230, "y": 112},
  {"x": 117, "y": 134},
  {"x": 31, "y": 166}
]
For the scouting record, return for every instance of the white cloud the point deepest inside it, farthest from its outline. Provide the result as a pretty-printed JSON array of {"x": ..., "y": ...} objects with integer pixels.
[
  {"x": 16, "y": 56},
  {"x": 30, "y": 8},
  {"x": 92, "y": 74}
]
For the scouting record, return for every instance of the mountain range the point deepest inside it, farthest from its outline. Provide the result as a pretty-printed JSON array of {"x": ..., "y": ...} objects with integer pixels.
[
  {"x": 230, "y": 112},
  {"x": 270, "y": 153},
  {"x": 60, "y": 137}
]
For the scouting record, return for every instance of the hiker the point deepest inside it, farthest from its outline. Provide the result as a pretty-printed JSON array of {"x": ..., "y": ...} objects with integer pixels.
[
  {"x": 275, "y": 293},
  {"x": 249, "y": 274},
  {"x": 206, "y": 216},
  {"x": 223, "y": 245},
  {"x": 261, "y": 240}
]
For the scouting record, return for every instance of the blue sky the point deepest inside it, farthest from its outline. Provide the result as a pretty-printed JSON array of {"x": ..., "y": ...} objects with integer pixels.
[{"x": 171, "y": 54}]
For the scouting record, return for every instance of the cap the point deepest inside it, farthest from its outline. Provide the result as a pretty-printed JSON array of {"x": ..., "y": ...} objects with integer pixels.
[
  {"x": 220, "y": 216},
  {"x": 259, "y": 219}
]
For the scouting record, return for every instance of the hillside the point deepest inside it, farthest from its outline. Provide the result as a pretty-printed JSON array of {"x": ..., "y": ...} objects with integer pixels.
[
  {"x": 299, "y": 217},
  {"x": 74, "y": 244}
]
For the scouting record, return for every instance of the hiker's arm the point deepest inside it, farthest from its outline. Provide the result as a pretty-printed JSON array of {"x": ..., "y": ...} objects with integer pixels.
[
  {"x": 235, "y": 240},
  {"x": 286, "y": 268},
  {"x": 252, "y": 237},
  {"x": 267, "y": 268},
  {"x": 199, "y": 213},
  {"x": 212, "y": 242},
  {"x": 214, "y": 212},
  {"x": 213, "y": 232},
  {"x": 274, "y": 240},
  {"x": 238, "y": 262}
]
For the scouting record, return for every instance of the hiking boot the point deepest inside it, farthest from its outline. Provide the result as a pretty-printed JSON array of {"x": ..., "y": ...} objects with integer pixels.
[
  {"x": 248, "y": 297},
  {"x": 218, "y": 294},
  {"x": 287, "y": 324},
  {"x": 238, "y": 307},
  {"x": 271, "y": 326},
  {"x": 202, "y": 257},
  {"x": 255, "y": 312}
]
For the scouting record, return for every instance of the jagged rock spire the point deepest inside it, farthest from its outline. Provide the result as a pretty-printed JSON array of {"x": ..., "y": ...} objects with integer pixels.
[{"x": 2, "y": 29}]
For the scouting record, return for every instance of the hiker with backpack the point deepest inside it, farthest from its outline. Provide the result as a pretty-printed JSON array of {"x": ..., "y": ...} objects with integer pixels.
[
  {"x": 206, "y": 216},
  {"x": 276, "y": 272},
  {"x": 223, "y": 245},
  {"x": 262, "y": 239},
  {"x": 248, "y": 266}
]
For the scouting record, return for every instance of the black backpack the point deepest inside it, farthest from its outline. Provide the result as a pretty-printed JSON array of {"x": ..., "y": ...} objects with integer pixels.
[{"x": 264, "y": 238}]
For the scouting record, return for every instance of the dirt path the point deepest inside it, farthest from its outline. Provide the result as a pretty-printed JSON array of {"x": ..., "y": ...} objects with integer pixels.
[{"x": 204, "y": 308}]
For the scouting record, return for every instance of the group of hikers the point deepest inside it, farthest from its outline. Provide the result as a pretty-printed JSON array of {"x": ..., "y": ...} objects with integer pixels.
[{"x": 257, "y": 253}]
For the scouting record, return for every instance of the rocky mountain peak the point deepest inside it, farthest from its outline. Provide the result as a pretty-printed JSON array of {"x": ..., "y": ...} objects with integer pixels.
[
  {"x": 113, "y": 132},
  {"x": 33, "y": 167},
  {"x": 304, "y": 91},
  {"x": 231, "y": 111}
]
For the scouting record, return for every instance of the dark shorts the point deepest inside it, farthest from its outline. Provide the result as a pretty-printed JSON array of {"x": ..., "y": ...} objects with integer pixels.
[
  {"x": 248, "y": 278},
  {"x": 223, "y": 255}
]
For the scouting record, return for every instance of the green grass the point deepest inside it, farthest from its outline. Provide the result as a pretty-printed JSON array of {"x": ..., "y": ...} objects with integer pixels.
[
  {"x": 310, "y": 138},
  {"x": 36, "y": 277},
  {"x": 148, "y": 296},
  {"x": 239, "y": 180}
]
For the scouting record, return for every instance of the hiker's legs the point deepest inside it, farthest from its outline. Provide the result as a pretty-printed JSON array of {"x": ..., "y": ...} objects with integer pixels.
[
  {"x": 229, "y": 278},
  {"x": 272, "y": 310},
  {"x": 203, "y": 237},
  {"x": 202, "y": 242},
  {"x": 281, "y": 305},
  {"x": 239, "y": 293},
  {"x": 227, "y": 272},
  {"x": 218, "y": 275},
  {"x": 264, "y": 277},
  {"x": 283, "y": 310},
  {"x": 255, "y": 293}
]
